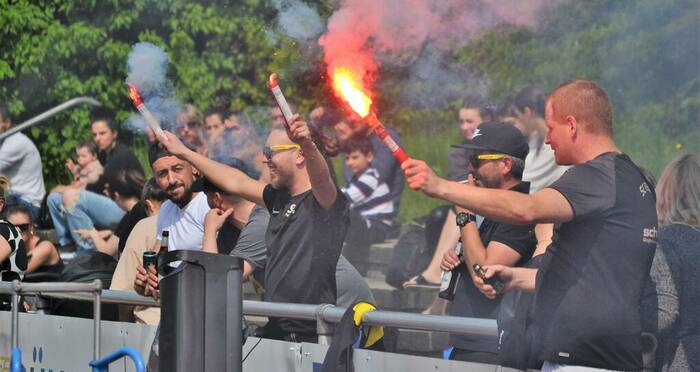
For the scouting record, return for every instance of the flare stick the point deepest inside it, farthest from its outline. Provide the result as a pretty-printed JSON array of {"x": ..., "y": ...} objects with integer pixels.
[
  {"x": 279, "y": 98},
  {"x": 145, "y": 112}
]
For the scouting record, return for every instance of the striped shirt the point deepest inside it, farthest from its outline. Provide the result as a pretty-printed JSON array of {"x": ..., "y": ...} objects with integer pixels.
[{"x": 370, "y": 197}]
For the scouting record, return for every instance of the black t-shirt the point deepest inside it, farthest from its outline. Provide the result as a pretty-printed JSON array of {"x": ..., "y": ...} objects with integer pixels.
[
  {"x": 590, "y": 282},
  {"x": 471, "y": 303},
  {"x": 127, "y": 223},
  {"x": 304, "y": 241},
  {"x": 119, "y": 158}
]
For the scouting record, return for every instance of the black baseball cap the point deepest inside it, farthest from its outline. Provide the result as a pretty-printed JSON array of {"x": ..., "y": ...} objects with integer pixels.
[{"x": 498, "y": 138}]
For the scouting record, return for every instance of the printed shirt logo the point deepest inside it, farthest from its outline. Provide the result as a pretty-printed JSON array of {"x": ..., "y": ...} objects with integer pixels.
[
  {"x": 644, "y": 189},
  {"x": 292, "y": 209},
  {"x": 649, "y": 235},
  {"x": 275, "y": 211},
  {"x": 477, "y": 133}
]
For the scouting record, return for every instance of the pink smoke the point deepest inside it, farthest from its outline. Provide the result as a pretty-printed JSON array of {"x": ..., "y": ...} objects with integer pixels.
[{"x": 363, "y": 32}]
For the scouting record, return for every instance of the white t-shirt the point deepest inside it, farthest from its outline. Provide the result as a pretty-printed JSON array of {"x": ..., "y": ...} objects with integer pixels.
[
  {"x": 540, "y": 168},
  {"x": 21, "y": 163},
  {"x": 186, "y": 225}
]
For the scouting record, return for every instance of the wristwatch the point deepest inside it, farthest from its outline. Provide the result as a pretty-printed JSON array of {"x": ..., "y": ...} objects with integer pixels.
[{"x": 465, "y": 218}]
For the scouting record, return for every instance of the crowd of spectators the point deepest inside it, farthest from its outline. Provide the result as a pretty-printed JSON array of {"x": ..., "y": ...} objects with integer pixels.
[{"x": 538, "y": 194}]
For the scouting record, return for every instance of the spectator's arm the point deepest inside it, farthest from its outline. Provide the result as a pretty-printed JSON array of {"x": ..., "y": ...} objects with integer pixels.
[
  {"x": 5, "y": 249},
  {"x": 213, "y": 222},
  {"x": 104, "y": 242},
  {"x": 322, "y": 185},
  {"x": 547, "y": 205},
  {"x": 230, "y": 180},
  {"x": 41, "y": 255},
  {"x": 475, "y": 252}
]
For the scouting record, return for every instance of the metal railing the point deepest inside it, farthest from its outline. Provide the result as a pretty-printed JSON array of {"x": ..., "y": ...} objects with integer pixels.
[
  {"x": 49, "y": 113},
  {"x": 324, "y": 314},
  {"x": 17, "y": 288}
]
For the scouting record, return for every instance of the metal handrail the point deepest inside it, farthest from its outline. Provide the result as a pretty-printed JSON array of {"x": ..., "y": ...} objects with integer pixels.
[
  {"x": 17, "y": 288},
  {"x": 49, "y": 113},
  {"x": 321, "y": 313}
]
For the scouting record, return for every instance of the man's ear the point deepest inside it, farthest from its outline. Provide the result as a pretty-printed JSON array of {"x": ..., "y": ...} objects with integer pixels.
[
  {"x": 195, "y": 171},
  {"x": 299, "y": 160},
  {"x": 370, "y": 156},
  {"x": 507, "y": 165},
  {"x": 572, "y": 124}
]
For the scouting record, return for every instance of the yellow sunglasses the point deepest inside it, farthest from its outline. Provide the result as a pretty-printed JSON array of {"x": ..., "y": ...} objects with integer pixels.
[
  {"x": 269, "y": 151},
  {"x": 476, "y": 159}
]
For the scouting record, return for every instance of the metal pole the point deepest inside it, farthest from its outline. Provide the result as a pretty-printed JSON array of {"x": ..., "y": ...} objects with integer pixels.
[
  {"x": 97, "y": 316},
  {"x": 16, "y": 286},
  {"x": 324, "y": 329},
  {"x": 49, "y": 113}
]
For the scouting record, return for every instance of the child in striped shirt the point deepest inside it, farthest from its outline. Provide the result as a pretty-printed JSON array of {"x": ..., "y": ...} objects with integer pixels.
[{"x": 372, "y": 209}]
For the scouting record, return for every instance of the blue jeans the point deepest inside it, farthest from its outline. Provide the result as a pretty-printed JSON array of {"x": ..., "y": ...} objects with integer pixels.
[{"x": 91, "y": 211}]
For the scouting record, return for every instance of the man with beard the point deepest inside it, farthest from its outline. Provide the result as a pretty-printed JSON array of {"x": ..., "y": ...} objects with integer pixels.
[
  {"x": 497, "y": 162},
  {"x": 308, "y": 220},
  {"x": 182, "y": 215}
]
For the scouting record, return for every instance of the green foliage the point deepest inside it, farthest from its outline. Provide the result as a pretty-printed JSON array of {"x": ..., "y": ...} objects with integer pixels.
[{"x": 51, "y": 51}]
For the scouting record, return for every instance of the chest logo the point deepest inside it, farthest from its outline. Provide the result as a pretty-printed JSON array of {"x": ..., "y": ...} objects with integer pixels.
[
  {"x": 292, "y": 209},
  {"x": 644, "y": 189},
  {"x": 649, "y": 235}
]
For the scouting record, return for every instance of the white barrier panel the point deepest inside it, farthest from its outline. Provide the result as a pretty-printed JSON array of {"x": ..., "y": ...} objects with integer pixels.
[{"x": 63, "y": 344}]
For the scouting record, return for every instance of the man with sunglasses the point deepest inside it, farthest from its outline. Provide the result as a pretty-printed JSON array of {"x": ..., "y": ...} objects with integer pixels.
[
  {"x": 497, "y": 161},
  {"x": 308, "y": 220},
  {"x": 589, "y": 285}
]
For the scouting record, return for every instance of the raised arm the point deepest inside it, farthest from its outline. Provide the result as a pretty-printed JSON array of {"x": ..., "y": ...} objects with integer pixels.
[
  {"x": 322, "y": 185},
  {"x": 230, "y": 180},
  {"x": 546, "y": 206}
]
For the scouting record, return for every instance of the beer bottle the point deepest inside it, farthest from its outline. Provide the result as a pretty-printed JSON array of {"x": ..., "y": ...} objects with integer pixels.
[{"x": 448, "y": 283}]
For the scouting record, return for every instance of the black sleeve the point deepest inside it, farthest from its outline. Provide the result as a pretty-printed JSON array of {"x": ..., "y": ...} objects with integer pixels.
[
  {"x": 339, "y": 209},
  {"x": 9, "y": 232},
  {"x": 520, "y": 238},
  {"x": 269, "y": 196},
  {"x": 589, "y": 188}
]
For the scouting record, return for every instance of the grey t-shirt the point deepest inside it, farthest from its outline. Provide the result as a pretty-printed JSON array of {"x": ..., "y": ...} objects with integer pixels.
[
  {"x": 251, "y": 242},
  {"x": 351, "y": 286}
]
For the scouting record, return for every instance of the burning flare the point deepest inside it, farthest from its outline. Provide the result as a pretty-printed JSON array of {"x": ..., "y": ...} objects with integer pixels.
[
  {"x": 347, "y": 86},
  {"x": 145, "y": 112}
]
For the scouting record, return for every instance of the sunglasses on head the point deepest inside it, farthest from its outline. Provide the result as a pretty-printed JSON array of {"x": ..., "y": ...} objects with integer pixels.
[
  {"x": 477, "y": 159},
  {"x": 269, "y": 151}
]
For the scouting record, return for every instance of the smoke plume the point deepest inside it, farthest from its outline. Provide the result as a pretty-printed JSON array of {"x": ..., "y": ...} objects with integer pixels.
[
  {"x": 147, "y": 66},
  {"x": 363, "y": 34}
]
